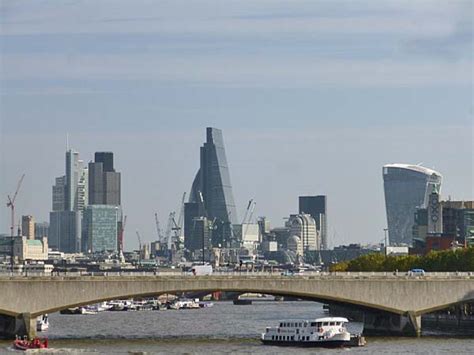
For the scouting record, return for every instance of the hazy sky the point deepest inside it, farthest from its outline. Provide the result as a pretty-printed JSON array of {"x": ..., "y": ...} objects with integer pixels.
[{"x": 313, "y": 97}]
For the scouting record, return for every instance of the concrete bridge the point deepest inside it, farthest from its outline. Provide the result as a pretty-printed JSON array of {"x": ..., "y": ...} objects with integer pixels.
[{"x": 22, "y": 299}]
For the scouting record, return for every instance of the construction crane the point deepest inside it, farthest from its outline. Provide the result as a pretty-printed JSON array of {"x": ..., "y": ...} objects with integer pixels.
[
  {"x": 11, "y": 205},
  {"x": 177, "y": 225},
  {"x": 169, "y": 228},
  {"x": 121, "y": 233},
  {"x": 158, "y": 229},
  {"x": 139, "y": 248},
  {"x": 247, "y": 211}
]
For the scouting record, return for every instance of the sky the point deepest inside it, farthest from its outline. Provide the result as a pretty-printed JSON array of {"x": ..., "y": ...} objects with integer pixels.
[{"x": 313, "y": 97}]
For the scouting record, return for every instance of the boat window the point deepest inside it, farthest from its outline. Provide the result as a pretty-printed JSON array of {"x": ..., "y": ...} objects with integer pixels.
[
  {"x": 318, "y": 324},
  {"x": 313, "y": 324},
  {"x": 325, "y": 324},
  {"x": 332, "y": 323}
]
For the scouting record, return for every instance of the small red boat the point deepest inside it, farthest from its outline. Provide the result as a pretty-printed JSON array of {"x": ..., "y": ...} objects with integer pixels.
[{"x": 36, "y": 343}]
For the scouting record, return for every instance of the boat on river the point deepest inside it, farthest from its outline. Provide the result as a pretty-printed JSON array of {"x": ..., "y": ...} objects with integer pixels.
[
  {"x": 42, "y": 323},
  {"x": 328, "y": 332},
  {"x": 25, "y": 344}
]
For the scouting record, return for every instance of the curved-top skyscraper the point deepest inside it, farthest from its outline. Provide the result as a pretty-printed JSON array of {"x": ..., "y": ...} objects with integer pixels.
[
  {"x": 406, "y": 188},
  {"x": 212, "y": 182}
]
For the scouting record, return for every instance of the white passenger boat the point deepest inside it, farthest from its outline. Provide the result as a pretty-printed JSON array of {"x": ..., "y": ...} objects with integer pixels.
[
  {"x": 42, "y": 323},
  {"x": 321, "y": 332}
]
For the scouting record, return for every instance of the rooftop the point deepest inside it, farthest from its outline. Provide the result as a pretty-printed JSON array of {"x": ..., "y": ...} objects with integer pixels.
[{"x": 417, "y": 168}]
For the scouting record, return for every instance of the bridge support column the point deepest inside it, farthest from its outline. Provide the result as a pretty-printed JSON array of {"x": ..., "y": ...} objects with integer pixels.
[
  {"x": 22, "y": 325},
  {"x": 415, "y": 322}
]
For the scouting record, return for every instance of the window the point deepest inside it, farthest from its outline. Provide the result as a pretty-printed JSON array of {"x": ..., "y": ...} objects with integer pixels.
[
  {"x": 332, "y": 323},
  {"x": 325, "y": 324},
  {"x": 313, "y": 324},
  {"x": 281, "y": 324}
]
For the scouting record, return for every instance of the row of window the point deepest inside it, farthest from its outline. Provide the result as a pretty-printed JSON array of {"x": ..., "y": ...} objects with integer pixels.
[
  {"x": 313, "y": 324},
  {"x": 288, "y": 338}
]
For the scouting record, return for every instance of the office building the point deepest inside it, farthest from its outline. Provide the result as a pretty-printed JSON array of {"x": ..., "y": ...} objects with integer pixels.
[
  {"x": 304, "y": 226},
  {"x": 406, "y": 188},
  {"x": 65, "y": 230},
  {"x": 212, "y": 191},
  {"x": 104, "y": 181},
  {"x": 100, "y": 223},
  {"x": 28, "y": 227},
  {"x": 73, "y": 172},
  {"x": 68, "y": 202},
  {"x": 316, "y": 206},
  {"x": 41, "y": 230},
  {"x": 59, "y": 194},
  {"x": 25, "y": 249}
]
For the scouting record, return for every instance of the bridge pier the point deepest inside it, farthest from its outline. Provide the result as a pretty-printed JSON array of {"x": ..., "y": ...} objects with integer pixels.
[
  {"x": 22, "y": 325},
  {"x": 415, "y": 322}
]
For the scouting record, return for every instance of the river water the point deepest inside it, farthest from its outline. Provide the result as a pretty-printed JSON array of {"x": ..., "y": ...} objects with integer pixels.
[{"x": 222, "y": 329}]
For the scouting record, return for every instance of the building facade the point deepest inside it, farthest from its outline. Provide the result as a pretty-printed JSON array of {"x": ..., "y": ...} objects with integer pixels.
[
  {"x": 406, "y": 188},
  {"x": 304, "y": 226},
  {"x": 316, "y": 206},
  {"x": 65, "y": 231},
  {"x": 28, "y": 227},
  {"x": 104, "y": 181},
  {"x": 100, "y": 223},
  {"x": 212, "y": 192}
]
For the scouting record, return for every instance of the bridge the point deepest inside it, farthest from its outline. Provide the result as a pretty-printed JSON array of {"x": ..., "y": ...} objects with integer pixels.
[{"x": 22, "y": 298}]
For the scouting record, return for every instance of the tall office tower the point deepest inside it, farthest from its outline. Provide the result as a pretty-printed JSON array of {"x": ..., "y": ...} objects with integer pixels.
[
  {"x": 41, "y": 230},
  {"x": 59, "y": 192},
  {"x": 304, "y": 226},
  {"x": 316, "y": 206},
  {"x": 212, "y": 190},
  {"x": 82, "y": 188},
  {"x": 66, "y": 216},
  {"x": 406, "y": 188},
  {"x": 65, "y": 231},
  {"x": 101, "y": 223},
  {"x": 28, "y": 227},
  {"x": 104, "y": 181},
  {"x": 73, "y": 171}
]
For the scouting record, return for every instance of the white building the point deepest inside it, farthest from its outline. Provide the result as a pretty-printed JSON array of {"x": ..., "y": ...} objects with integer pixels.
[{"x": 304, "y": 226}]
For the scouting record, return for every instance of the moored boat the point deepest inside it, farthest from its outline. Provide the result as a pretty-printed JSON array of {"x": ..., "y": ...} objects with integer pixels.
[
  {"x": 42, "y": 323},
  {"x": 322, "y": 332},
  {"x": 25, "y": 344}
]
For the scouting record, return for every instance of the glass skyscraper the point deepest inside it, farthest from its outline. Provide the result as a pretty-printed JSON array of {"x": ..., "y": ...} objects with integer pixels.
[
  {"x": 101, "y": 227},
  {"x": 406, "y": 188},
  {"x": 212, "y": 191}
]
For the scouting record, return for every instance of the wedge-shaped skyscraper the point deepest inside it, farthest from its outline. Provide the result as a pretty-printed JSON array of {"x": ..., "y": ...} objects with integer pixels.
[
  {"x": 211, "y": 194},
  {"x": 406, "y": 188}
]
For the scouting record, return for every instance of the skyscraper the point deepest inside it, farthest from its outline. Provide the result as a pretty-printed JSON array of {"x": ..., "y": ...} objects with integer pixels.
[
  {"x": 68, "y": 204},
  {"x": 212, "y": 191},
  {"x": 104, "y": 181},
  {"x": 316, "y": 206},
  {"x": 100, "y": 223},
  {"x": 103, "y": 214},
  {"x": 406, "y": 188},
  {"x": 28, "y": 227}
]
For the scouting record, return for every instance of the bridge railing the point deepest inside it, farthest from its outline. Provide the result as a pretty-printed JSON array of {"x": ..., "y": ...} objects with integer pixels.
[{"x": 311, "y": 275}]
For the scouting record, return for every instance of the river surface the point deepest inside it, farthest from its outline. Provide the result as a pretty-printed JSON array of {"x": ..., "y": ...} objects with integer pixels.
[{"x": 222, "y": 329}]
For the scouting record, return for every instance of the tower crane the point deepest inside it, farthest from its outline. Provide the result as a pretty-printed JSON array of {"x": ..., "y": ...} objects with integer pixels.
[
  {"x": 158, "y": 229},
  {"x": 139, "y": 247},
  {"x": 121, "y": 233},
  {"x": 169, "y": 228},
  {"x": 177, "y": 225},
  {"x": 11, "y": 205}
]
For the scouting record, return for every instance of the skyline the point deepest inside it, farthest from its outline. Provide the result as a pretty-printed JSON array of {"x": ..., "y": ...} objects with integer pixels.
[{"x": 318, "y": 98}]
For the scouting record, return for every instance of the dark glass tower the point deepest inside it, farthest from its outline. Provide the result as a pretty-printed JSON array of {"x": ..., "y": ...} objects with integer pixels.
[
  {"x": 104, "y": 181},
  {"x": 212, "y": 192},
  {"x": 316, "y": 206},
  {"x": 407, "y": 187}
]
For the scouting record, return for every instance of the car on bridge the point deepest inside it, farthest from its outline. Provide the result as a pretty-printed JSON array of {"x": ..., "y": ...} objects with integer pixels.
[{"x": 416, "y": 272}]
